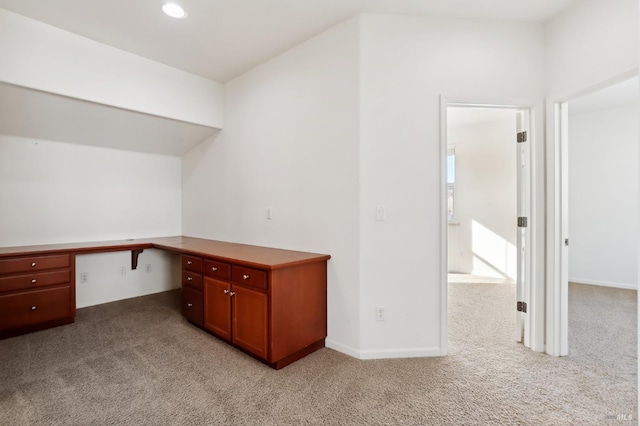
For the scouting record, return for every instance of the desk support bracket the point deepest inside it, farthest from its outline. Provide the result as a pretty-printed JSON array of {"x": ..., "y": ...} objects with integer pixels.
[{"x": 134, "y": 257}]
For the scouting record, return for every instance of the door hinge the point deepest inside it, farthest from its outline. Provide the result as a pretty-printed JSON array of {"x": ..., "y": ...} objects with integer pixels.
[
  {"x": 566, "y": 242},
  {"x": 522, "y": 137},
  {"x": 522, "y": 307},
  {"x": 522, "y": 222}
]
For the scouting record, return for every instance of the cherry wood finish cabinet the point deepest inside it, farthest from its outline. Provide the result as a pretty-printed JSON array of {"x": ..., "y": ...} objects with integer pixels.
[
  {"x": 36, "y": 292},
  {"x": 270, "y": 303}
]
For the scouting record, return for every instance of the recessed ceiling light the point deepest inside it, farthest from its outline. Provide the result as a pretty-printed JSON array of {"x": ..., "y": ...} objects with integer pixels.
[{"x": 174, "y": 11}]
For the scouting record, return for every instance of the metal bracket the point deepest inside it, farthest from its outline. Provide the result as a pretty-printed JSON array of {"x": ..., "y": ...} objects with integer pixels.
[{"x": 521, "y": 307}]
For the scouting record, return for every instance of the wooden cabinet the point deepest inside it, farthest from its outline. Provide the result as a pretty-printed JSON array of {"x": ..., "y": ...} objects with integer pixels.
[
  {"x": 36, "y": 292},
  {"x": 192, "y": 298},
  {"x": 270, "y": 303},
  {"x": 277, "y": 315}
]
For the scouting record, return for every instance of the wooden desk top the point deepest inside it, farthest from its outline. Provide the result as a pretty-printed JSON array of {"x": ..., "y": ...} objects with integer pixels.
[{"x": 256, "y": 256}]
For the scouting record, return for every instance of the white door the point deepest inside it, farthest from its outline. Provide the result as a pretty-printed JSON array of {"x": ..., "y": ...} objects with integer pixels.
[{"x": 523, "y": 291}]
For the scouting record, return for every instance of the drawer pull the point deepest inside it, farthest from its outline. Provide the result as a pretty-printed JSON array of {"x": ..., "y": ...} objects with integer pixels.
[
  {"x": 214, "y": 269},
  {"x": 189, "y": 304},
  {"x": 231, "y": 293},
  {"x": 189, "y": 262},
  {"x": 189, "y": 278},
  {"x": 33, "y": 308},
  {"x": 33, "y": 264},
  {"x": 33, "y": 281},
  {"x": 245, "y": 277}
]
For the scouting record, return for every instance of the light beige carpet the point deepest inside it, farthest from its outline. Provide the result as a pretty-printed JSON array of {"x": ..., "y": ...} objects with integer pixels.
[{"x": 136, "y": 362}]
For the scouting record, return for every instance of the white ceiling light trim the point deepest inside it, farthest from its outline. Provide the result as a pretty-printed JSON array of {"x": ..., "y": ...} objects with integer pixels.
[{"x": 174, "y": 10}]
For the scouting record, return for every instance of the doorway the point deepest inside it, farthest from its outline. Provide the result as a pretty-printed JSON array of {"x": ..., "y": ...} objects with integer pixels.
[
  {"x": 491, "y": 246},
  {"x": 596, "y": 192}
]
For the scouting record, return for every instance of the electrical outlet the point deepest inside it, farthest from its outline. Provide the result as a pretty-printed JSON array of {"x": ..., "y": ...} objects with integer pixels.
[
  {"x": 123, "y": 270},
  {"x": 84, "y": 277},
  {"x": 147, "y": 268},
  {"x": 379, "y": 313}
]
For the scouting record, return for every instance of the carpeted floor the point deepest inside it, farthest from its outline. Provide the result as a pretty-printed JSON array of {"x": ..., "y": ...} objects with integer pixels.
[{"x": 136, "y": 362}]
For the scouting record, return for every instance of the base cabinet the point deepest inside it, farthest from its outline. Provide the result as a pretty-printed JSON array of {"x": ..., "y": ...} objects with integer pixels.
[{"x": 36, "y": 292}]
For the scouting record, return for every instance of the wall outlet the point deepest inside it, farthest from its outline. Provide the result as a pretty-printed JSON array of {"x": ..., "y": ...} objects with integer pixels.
[
  {"x": 147, "y": 268},
  {"x": 84, "y": 277},
  {"x": 379, "y": 313},
  {"x": 123, "y": 270}
]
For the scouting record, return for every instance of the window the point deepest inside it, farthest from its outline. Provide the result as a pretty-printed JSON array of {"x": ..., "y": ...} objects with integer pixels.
[{"x": 451, "y": 181}]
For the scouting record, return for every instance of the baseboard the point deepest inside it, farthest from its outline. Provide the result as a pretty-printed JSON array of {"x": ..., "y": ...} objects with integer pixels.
[
  {"x": 347, "y": 350},
  {"x": 400, "y": 353},
  {"x": 604, "y": 283},
  {"x": 383, "y": 353}
]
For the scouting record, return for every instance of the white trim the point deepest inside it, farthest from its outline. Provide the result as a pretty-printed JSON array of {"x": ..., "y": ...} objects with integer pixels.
[
  {"x": 557, "y": 287},
  {"x": 383, "y": 353},
  {"x": 400, "y": 353},
  {"x": 536, "y": 220},
  {"x": 347, "y": 350},
  {"x": 583, "y": 281},
  {"x": 444, "y": 231}
]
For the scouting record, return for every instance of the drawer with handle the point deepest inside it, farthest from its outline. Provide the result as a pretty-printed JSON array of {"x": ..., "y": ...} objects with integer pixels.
[
  {"x": 34, "y": 263},
  {"x": 191, "y": 279},
  {"x": 35, "y": 306},
  {"x": 249, "y": 276},
  {"x": 192, "y": 263},
  {"x": 215, "y": 269},
  {"x": 28, "y": 281}
]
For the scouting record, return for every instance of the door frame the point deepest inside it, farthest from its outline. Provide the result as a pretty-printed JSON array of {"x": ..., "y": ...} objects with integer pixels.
[
  {"x": 557, "y": 257},
  {"x": 536, "y": 308}
]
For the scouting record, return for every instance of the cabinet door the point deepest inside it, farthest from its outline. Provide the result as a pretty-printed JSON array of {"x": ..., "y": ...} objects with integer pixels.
[
  {"x": 192, "y": 305},
  {"x": 250, "y": 320},
  {"x": 217, "y": 307}
]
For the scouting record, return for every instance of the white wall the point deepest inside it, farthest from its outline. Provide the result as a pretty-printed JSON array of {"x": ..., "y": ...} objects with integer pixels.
[
  {"x": 483, "y": 239},
  {"x": 290, "y": 143},
  {"x": 52, "y": 192},
  {"x": 590, "y": 43},
  {"x": 106, "y": 283},
  {"x": 407, "y": 63},
  {"x": 43, "y": 57},
  {"x": 603, "y": 202}
]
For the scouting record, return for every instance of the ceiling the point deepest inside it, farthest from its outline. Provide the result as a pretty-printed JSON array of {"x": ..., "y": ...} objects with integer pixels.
[
  {"x": 222, "y": 39},
  {"x": 618, "y": 95},
  {"x": 40, "y": 115}
]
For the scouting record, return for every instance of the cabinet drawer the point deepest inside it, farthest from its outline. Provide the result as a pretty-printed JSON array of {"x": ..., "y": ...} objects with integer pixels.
[
  {"x": 219, "y": 270},
  {"x": 192, "y": 279},
  {"x": 192, "y": 305},
  {"x": 192, "y": 263},
  {"x": 249, "y": 276},
  {"x": 28, "y": 281},
  {"x": 33, "y": 307},
  {"x": 35, "y": 263}
]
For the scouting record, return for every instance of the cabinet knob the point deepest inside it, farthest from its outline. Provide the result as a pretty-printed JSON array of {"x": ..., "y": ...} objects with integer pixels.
[
  {"x": 33, "y": 281},
  {"x": 33, "y": 264},
  {"x": 225, "y": 291},
  {"x": 245, "y": 277},
  {"x": 189, "y": 304},
  {"x": 189, "y": 262},
  {"x": 231, "y": 293},
  {"x": 189, "y": 278},
  {"x": 33, "y": 308},
  {"x": 213, "y": 268}
]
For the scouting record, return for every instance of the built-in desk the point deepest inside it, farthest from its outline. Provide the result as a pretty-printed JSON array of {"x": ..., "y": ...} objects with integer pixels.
[{"x": 270, "y": 303}]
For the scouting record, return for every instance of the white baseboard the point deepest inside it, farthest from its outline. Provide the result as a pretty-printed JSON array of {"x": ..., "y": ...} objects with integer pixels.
[
  {"x": 383, "y": 353},
  {"x": 400, "y": 353},
  {"x": 604, "y": 283}
]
